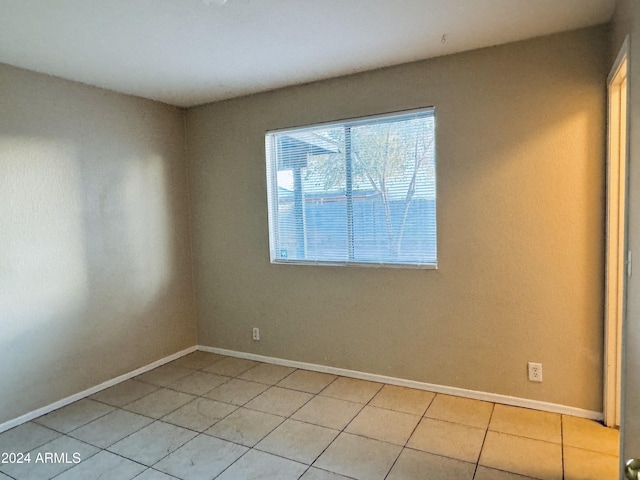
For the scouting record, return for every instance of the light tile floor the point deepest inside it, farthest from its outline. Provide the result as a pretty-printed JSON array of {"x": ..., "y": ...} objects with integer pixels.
[{"x": 207, "y": 416}]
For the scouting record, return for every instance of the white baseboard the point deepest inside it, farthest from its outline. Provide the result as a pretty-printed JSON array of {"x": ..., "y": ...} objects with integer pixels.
[
  {"x": 460, "y": 392},
  {"x": 90, "y": 391}
]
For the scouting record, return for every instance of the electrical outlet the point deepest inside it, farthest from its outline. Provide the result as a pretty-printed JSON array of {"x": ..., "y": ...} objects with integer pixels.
[
  {"x": 535, "y": 371},
  {"x": 256, "y": 334}
]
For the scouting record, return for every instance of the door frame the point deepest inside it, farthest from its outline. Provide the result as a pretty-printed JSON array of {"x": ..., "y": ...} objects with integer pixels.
[{"x": 617, "y": 258}]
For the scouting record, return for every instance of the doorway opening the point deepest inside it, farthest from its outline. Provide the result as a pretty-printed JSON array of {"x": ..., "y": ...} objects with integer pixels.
[{"x": 617, "y": 261}]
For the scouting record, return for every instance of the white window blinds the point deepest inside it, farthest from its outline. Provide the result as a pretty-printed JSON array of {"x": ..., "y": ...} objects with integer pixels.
[{"x": 359, "y": 192}]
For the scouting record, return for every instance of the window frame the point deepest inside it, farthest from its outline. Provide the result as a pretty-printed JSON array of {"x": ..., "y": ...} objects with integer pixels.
[{"x": 270, "y": 136}]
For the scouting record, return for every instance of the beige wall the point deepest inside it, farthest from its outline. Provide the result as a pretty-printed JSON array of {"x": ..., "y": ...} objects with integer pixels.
[
  {"x": 520, "y": 161},
  {"x": 95, "y": 267}
]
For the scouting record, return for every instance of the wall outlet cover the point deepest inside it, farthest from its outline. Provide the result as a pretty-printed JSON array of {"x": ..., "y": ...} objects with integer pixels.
[{"x": 535, "y": 371}]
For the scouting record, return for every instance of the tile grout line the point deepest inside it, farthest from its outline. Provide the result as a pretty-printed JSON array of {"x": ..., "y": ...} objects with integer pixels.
[
  {"x": 308, "y": 423},
  {"x": 160, "y": 387},
  {"x": 230, "y": 378},
  {"x": 60, "y": 436},
  {"x": 286, "y": 418},
  {"x": 339, "y": 431},
  {"x": 249, "y": 449},
  {"x": 484, "y": 439},
  {"x": 201, "y": 369},
  {"x": 410, "y": 435},
  {"x": 272, "y": 430},
  {"x": 198, "y": 433},
  {"x": 63, "y": 435},
  {"x": 79, "y": 426},
  {"x": 100, "y": 450},
  {"x": 160, "y": 459},
  {"x": 311, "y": 465},
  {"x": 154, "y": 420},
  {"x": 325, "y": 448}
]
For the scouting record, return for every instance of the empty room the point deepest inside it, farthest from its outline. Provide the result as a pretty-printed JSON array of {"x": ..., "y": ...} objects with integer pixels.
[{"x": 285, "y": 239}]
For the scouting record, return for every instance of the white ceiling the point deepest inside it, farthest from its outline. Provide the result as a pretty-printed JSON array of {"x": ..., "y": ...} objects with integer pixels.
[{"x": 185, "y": 52}]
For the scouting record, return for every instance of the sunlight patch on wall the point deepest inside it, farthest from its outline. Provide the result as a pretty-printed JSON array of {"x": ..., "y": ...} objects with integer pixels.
[
  {"x": 147, "y": 242},
  {"x": 42, "y": 252}
]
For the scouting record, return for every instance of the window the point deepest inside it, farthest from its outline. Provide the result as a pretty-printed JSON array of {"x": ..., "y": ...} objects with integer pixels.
[{"x": 357, "y": 192}]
